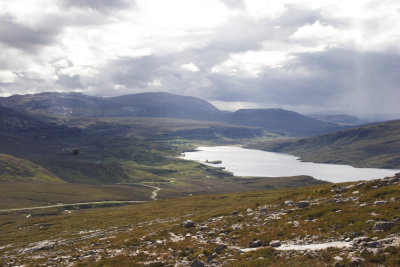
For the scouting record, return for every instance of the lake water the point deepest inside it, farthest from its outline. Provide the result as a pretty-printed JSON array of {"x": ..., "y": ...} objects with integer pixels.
[{"x": 251, "y": 162}]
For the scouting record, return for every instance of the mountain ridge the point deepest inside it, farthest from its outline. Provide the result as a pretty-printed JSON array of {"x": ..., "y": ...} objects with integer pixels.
[{"x": 161, "y": 104}]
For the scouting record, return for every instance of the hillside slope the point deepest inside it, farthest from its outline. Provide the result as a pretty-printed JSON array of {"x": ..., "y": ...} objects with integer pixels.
[
  {"x": 375, "y": 145},
  {"x": 16, "y": 169},
  {"x": 341, "y": 119},
  {"x": 290, "y": 227}
]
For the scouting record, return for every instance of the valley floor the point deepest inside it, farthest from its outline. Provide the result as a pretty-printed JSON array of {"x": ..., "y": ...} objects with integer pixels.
[{"x": 353, "y": 224}]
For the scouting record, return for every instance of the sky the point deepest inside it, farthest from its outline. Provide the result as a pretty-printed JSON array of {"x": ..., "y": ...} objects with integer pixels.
[{"x": 310, "y": 56}]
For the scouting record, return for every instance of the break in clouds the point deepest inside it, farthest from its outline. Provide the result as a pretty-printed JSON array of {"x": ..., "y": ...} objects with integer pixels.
[{"x": 308, "y": 55}]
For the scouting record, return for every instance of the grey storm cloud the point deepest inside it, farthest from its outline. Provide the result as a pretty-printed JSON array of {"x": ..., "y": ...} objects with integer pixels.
[
  {"x": 23, "y": 37},
  {"x": 99, "y": 4},
  {"x": 284, "y": 54}
]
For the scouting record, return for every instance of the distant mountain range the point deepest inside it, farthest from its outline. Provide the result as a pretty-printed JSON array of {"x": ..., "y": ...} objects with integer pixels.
[
  {"x": 374, "y": 145},
  {"x": 167, "y": 105}
]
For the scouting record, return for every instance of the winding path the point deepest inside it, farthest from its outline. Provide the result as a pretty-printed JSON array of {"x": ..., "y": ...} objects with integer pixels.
[
  {"x": 75, "y": 204},
  {"x": 153, "y": 196}
]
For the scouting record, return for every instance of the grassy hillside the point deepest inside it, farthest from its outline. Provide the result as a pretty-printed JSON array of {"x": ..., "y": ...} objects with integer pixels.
[
  {"x": 101, "y": 150},
  {"x": 16, "y": 169},
  {"x": 20, "y": 194},
  {"x": 376, "y": 145},
  {"x": 340, "y": 119},
  {"x": 153, "y": 233},
  {"x": 129, "y": 150},
  {"x": 33, "y": 194}
]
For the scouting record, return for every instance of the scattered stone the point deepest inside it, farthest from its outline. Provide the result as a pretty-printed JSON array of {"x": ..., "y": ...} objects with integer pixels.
[
  {"x": 288, "y": 203},
  {"x": 275, "y": 243},
  {"x": 188, "y": 223},
  {"x": 41, "y": 246},
  {"x": 396, "y": 220},
  {"x": 373, "y": 244},
  {"x": 338, "y": 258},
  {"x": 356, "y": 192},
  {"x": 235, "y": 212},
  {"x": 303, "y": 204},
  {"x": 197, "y": 263},
  {"x": 394, "y": 199},
  {"x": 384, "y": 225},
  {"x": 220, "y": 248},
  {"x": 380, "y": 202},
  {"x": 386, "y": 240},
  {"x": 263, "y": 209},
  {"x": 211, "y": 257},
  {"x": 363, "y": 205},
  {"x": 236, "y": 227},
  {"x": 338, "y": 189},
  {"x": 356, "y": 261},
  {"x": 360, "y": 239},
  {"x": 296, "y": 224},
  {"x": 255, "y": 244}
]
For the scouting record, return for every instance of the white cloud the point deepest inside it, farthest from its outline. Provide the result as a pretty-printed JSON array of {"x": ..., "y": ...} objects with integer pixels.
[
  {"x": 190, "y": 67},
  {"x": 155, "y": 83},
  {"x": 7, "y": 76},
  {"x": 251, "y": 63},
  {"x": 235, "y": 105},
  {"x": 314, "y": 31},
  {"x": 260, "y": 9}
]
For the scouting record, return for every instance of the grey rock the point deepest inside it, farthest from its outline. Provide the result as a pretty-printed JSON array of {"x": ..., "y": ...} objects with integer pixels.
[
  {"x": 41, "y": 246},
  {"x": 220, "y": 248},
  {"x": 384, "y": 225},
  {"x": 197, "y": 263},
  {"x": 386, "y": 240},
  {"x": 188, "y": 223},
  {"x": 235, "y": 212},
  {"x": 275, "y": 243},
  {"x": 338, "y": 258},
  {"x": 288, "y": 203},
  {"x": 303, "y": 204},
  {"x": 380, "y": 202},
  {"x": 338, "y": 189},
  {"x": 356, "y": 261},
  {"x": 360, "y": 239},
  {"x": 211, "y": 257},
  {"x": 263, "y": 209},
  {"x": 373, "y": 244},
  {"x": 255, "y": 244}
]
